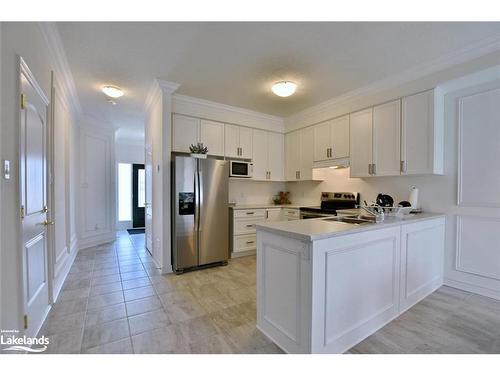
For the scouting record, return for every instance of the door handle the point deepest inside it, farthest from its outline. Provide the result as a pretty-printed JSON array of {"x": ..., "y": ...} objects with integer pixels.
[{"x": 47, "y": 223}]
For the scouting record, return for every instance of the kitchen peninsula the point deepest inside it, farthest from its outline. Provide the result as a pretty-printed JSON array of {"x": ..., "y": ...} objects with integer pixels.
[{"x": 325, "y": 285}]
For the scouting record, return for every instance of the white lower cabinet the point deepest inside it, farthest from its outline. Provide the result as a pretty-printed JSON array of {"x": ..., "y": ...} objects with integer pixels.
[
  {"x": 326, "y": 295},
  {"x": 242, "y": 226}
]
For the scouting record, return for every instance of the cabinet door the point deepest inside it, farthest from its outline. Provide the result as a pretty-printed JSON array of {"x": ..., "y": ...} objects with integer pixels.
[
  {"x": 231, "y": 140},
  {"x": 212, "y": 136},
  {"x": 246, "y": 142},
  {"x": 387, "y": 139},
  {"x": 306, "y": 153},
  {"x": 340, "y": 137},
  {"x": 322, "y": 138},
  {"x": 361, "y": 143},
  {"x": 273, "y": 214},
  {"x": 186, "y": 131},
  {"x": 276, "y": 156},
  {"x": 417, "y": 137},
  {"x": 260, "y": 163},
  {"x": 292, "y": 153}
]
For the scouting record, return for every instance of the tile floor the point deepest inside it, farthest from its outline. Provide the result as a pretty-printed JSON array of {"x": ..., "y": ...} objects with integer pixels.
[{"x": 115, "y": 301}]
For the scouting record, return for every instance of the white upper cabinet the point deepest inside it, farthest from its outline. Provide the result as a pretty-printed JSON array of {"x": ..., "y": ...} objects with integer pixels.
[
  {"x": 299, "y": 154},
  {"x": 260, "y": 154},
  {"x": 186, "y": 131},
  {"x": 361, "y": 143},
  {"x": 306, "y": 153},
  {"x": 340, "y": 137},
  {"x": 331, "y": 139},
  {"x": 421, "y": 136},
  {"x": 245, "y": 143},
  {"x": 387, "y": 139},
  {"x": 212, "y": 136},
  {"x": 292, "y": 152},
  {"x": 322, "y": 135},
  {"x": 268, "y": 155},
  {"x": 276, "y": 156},
  {"x": 238, "y": 141}
]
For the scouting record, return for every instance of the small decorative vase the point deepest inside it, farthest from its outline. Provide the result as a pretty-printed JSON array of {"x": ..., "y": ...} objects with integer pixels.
[{"x": 199, "y": 156}]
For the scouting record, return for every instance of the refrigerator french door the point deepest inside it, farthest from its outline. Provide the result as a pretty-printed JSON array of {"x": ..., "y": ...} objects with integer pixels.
[{"x": 199, "y": 212}]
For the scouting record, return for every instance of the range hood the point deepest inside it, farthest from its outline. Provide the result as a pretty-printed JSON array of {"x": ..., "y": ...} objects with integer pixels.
[{"x": 332, "y": 163}]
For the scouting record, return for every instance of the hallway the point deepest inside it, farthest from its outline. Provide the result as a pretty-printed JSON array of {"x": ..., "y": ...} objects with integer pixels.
[{"x": 115, "y": 301}]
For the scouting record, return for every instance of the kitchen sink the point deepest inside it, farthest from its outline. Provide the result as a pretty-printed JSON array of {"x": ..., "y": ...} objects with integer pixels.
[{"x": 359, "y": 220}]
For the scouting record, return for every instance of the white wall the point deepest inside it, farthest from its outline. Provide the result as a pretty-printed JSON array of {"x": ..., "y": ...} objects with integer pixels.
[
  {"x": 254, "y": 192},
  {"x": 97, "y": 187},
  {"x": 26, "y": 40},
  {"x": 132, "y": 153}
]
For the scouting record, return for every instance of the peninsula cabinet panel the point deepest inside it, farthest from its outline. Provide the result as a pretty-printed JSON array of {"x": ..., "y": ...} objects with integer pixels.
[
  {"x": 361, "y": 143},
  {"x": 387, "y": 139}
]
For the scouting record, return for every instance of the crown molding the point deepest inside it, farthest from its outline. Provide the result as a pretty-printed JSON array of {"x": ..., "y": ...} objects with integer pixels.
[
  {"x": 226, "y": 107},
  {"x": 168, "y": 87},
  {"x": 64, "y": 76},
  {"x": 471, "y": 52}
]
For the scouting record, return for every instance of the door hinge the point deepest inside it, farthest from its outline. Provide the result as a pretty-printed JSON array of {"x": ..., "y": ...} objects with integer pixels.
[
  {"x": 22, "y": 212},
  {"x": 26, "y": 322},
  {"x": 23, "y": 101}
]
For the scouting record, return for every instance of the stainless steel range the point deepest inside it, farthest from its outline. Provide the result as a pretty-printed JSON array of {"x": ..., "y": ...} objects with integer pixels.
[{"x": 330, "y": 203}]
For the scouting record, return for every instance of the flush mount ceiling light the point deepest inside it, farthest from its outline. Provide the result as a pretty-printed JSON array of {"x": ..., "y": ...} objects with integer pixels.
[
  {"x": 112, "y": 91},
  {"x": 284, "y": 88}
]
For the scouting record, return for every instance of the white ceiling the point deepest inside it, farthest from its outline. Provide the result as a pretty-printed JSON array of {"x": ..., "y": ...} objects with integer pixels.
[{"x": 236, "y": 63}]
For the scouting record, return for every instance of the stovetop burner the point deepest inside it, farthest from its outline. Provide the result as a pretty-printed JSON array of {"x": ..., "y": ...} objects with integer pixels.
[{"x": 333, "y": 201}]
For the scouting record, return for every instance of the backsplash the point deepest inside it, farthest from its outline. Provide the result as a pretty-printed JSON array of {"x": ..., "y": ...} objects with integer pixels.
[
  {"x": 433, "y": 190},
  {"x": 253, "y": 192}
]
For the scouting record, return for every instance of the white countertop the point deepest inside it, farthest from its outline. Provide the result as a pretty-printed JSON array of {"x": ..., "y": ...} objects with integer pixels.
[
  {"x": 317, "y": 229},
  {"x": 270, "y": 205}
]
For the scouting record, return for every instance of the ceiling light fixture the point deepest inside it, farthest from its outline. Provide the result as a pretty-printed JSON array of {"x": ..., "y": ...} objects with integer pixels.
[
  {"x": 112, "y": 91},
  {"x": 284, "y": 88}
]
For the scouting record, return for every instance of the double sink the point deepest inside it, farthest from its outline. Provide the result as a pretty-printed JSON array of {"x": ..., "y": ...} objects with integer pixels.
[{"x": 354, "y": 219}]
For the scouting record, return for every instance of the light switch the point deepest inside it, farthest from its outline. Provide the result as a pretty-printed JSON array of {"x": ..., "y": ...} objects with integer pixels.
[{"x": 6, "y": 169}]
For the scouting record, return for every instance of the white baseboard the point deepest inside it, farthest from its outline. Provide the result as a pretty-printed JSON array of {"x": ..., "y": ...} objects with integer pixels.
[
  {"x": 243, "y": 254},
  {"x": 473, "y": 288},
  {"x": 97, "y": 240},
  {"x": 65, "y": 270}
]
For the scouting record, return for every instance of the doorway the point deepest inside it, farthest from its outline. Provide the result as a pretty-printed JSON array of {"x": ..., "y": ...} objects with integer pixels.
[{"x": 138, "y": 195}]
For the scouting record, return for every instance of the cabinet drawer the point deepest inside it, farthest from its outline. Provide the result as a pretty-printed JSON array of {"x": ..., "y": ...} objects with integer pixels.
[
  {"x": 250, "y": 213},
  {"x": 244, "y": 243},
  {"x": 246, "y": 226},
  {"x": 291, "y": 213}
]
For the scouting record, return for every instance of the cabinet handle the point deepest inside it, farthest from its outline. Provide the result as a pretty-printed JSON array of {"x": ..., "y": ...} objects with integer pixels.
[
  {"x": 331, "y": 152},
  {"x": 403, "y": 166},
  {"x": 249, "y": 225},
  {"x": 369, "y": 169},
  {"x": 250, "y": 213},
  {"x": 299, "y": 174},
  {"x": 374, "y": 168},
  {"x": 327, "y": 153},
  {"x": 249, "y": 242}
]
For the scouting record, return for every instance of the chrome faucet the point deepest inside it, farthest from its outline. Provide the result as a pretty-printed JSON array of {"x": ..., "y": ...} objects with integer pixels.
[{"x": 376, "y": 211}]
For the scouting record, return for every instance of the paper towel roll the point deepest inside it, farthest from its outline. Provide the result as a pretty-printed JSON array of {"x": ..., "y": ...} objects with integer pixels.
[{"x": 413, "y": 197}]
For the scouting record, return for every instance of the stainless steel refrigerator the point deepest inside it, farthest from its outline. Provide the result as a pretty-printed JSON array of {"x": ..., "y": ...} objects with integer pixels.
[{"x": 199, "y": 212}]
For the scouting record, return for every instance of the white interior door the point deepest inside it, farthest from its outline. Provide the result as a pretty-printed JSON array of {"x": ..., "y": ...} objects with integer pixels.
[{"x": 33, "y": 186}]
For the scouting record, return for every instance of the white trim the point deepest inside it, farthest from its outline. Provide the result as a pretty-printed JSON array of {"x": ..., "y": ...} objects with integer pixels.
[
  {"x": 32, "y": 80},
  {"x": 226, "y": 107},
  {"x": 167, "y": 86},
  {"x": 472, "y": 288},
  {"x": 54, "y": 43},
  {"x": 463, "y": 55}
]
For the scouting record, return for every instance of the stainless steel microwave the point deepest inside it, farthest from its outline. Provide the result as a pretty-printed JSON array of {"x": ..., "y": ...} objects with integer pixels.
[{"x": 240, "y": 169}]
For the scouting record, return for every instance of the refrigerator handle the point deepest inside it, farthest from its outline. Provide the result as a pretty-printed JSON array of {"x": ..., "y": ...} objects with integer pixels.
[
  {"x": 196, "y": 205},
  {"x": 200, "y": 198}
]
